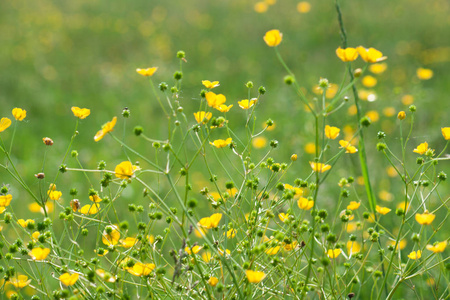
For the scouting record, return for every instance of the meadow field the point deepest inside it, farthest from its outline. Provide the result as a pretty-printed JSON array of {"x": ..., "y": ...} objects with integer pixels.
[{"x": 238, "y": 149}]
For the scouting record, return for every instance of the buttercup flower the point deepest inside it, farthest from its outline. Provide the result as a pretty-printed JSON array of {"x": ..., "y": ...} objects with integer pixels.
[
  {"x": 349, "y": 148},
  {"x": 4, "y": 123},
  {"x": 370, "y": 55},
  {"x": 401, "y": 115},
  {"x": 215, "y": 100},
  {"x": 246, "y": 104},
  {"x": 382, "y": 210},
  {"x": 140, "y": 269},
  {"x": 221, "y": 143},
  {"x": 210, "y": 85},
  {"x": 331, "y": 132},
  {"x": 273, "y": 250},
  {"x": 424, "y": 74},
  {"x": 54, "y": 195},
  {"x": 210, "y": 222},
  {"x": 231, "y": 233},
  {"x": 108, "y": 277},
  {"x": 446, "y": 133},
  {"x": 24, "y": 223},
  {"x": 39, "y": 253},
  {"x": 347, "y": 54},
  {"x": 369, "y": 81},
  {"x": 213, "y": 281},
  {"x": 422, "y": 148},
  {"x": 333, "y": 253},
  {"x": 254, "y": 276},
  {"x": 438, "y": 248},
  {"x": 20, "y": 281},
  {"x": 108, "y": 127},
  {"x": 223, "y": 108},
  {"x": 353, "y": 247},
  {"x": 81, "y": 113},
  {"x": 129, "y": 242},
  {"x": 125, "y": 170},
  {"x": 196, "y": 249},
  {"x": 305, "y": 204},
  {"x": 111, "y": 238},
  {"x": 5, "y": 200},
  {"x": 147, "y": 72},
  {"x": 69, "y": 279},
  {"x": 303, "y": 7},
  {"x": 378, "y": 68},
  {"x": 319, "y": 167},
  {"x": 19, "y": 114},
  {"x": 425, "y": 219},
  {"x": 89, "y": 209},
  {"x": 95, "y": 198},
  {"x": 283, "y": 217},
  {"x": 273, "y": 37},
  {"x": 415, "y": 255},
  {"x": 353, "y": 205},
  {"x": 202, "y": 117}
]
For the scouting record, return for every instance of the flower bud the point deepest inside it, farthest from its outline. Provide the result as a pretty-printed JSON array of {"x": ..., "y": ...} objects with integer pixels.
[
  {"x": 47, "y": 141},
  {"x": 401, "y": 115}
]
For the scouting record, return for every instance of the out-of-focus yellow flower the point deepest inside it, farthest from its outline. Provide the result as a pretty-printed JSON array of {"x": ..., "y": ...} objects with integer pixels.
[
  {"x": 391, "y": 172},
  {"x": 223, "y": 108},
  {"x": 81, "y": 113},
  {"x": 401, "y": 115},
  {"x": 424, "y": 74},
  {"x": 210, "y": 84},
  {"x": 2, "y": 209},
  {"x": 215, "y": 100},
  {"x": 125, "y": 170},
  {"x": 298, "y": 191},
  {"x": 54, "y": 195},
  {"x": 283, "y": 217},
  {"x": 259, "y": 142},
  {"x": 89, "y": 209},
  {"x": 108, "y": 277},
  {"x": 425, "y": 219},
  {"x": 303, "y": 7},
  {"x": 415, "y": 255},
  {"x": 206, "y": 256},
  {"x": 353, "y": 205},
  {"x": 333, "y": 253},
  {"x": 34, "y": 207},
  {"x": 310, "y": 148},
  {"x": 273, "y": 37},
  {"x": 35, "y": 235},
  {"x": 111, "y": 238},
  {"x": 407, "y": 99},
  {"x": 370, "y": 55},
  {"x": 69, "y": 279},
  {"x": 319, "y": 167},
  {"x": 352, "y": 110},
  {"x": 129, "y": 242},
  {"x": 140, "y": 269},
  {"x": 373, "y": 115},
  {"x": 385, "y": 195},
  {"x": 202, "y": 117},
  {"x": 200, "y": 233},
  {"x": 389, "y": 111},
  {"x": 231, "y": 233},
  {"x": 19, "y": 114},
  {"x": 210, "y": 222},
  {"x": 196, "y": 249},
  {"x": 369, "y": 81},
  {"x": 273, "y": 250},
  {"x": 422, "y": 148},
  {"x": 351, "y": 226},
  {"x": 270, "y": 2},
  {"x": 25, "y": 223},
  {"x": 221, "y": 252},
  {"x": 331, "y": 132},
  {"x": 213, "y": 281},
  {"x": 108, "y": 127},
  {"x": 95, "y": 198},
  {"x": 437, "y": 248},
  {"x": 378, "y": 68},
  {"x": 446, "y": 133},
  {"x": 382, "y": 210},
  {"x": 347, "y": 54},
  {"x": 353, "y": 247},
  {"x": 221, "y": 143},
  {"x": 246, "y": 104},
  {"x": 39, "y": 253},
  {"x": 261, "y": 7},
  {"x": 5, "y": 200},
  {"x": 20, "y": 281},
  {"x": 305, "y": 204},
  {"x": 254, "y": 276},
  {"x": 349, "y": 148},
  {"x": 4, "y": 123},
  {"x": 291, "y": 246},
  {"x": 147, "y": 72}
]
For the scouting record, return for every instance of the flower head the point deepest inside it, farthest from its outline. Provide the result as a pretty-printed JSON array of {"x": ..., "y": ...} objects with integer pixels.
[
  {"x": 273, "y": 37},
  {"x": 438, "y": 248},
  {"x": 210, "y": 222},
  {"x": 4, "y": 123},
  {"x": 81, "y": 113},
  {"x": 401, "y": 115},
  {"x": 382, "y": 210},
  {"x": 215, "y": 100},
  {"x": 254, "y": 276},
  {"x": 140, "y": 269},
  {"x": 20, "y": 281},
  {"x": 304, "y": 203},
  {"x": 210, "y": 85},
  {"x": 125, "y": 170},
  {"x": 54, "y": 195},
  {"x": 5, "y": 200},
  {"x": 425, "y": 219},
  {"x": 202, "y": 117},
  {"x": 349, "y": 148},
  {"x": 147, "y": 72},
  {"x": 223, "y": 108},
  {"x": 424, "y": 74},
  {"x": 108, "y": 127},
  {"x": 39, "y": 253},
  {"x": 331, "y": 132},
  {"x": 353, "y": 205},
  {"x": 446, "y": 133},
  {"x": 353, "y": 247},
  {"x": 422, "y": 148},
  {"x": 110, "y": 235},
  {"x": 347, "y": 54},
  {"x": 69, "y": 279},
  {"x": 129, "y": 242},
  {"x": 333, "y": 253},
  {"x": 370, "y": 55},
  {"x": 319, "y": 167},
  {"x": 378, "y": 68},
  {"x": 25, "y": 223},
  {"x": 246, "y": 104},
  {"x": 221, "y": 143},
  {"x": 213, "y": 281},
  {"x": 415, "y": 255},
  {"x": 19, "y": 114},
  {"x": 196, "y": 249},
  {"x": 89, "y": 209}
]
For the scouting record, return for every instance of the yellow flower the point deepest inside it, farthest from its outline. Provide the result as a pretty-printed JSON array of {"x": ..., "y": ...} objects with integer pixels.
[
  {"x": 39, "y": 253},
  {"x": 81, "y": 113},
  {"x": 2, "y": 209},
  {"x": 331, "y": 132},
  {"x": 4, "y": 123},
  {"x": 353, "y": 247},
  {"x": 349, "y": 148},
  {"x": 401, "y": 115},
  {"x": 310, "y": 148},
  {"x": 425, "y": 219},
  {"x": 210, "y": 85},
  {"x": 231, "y": 233},
  {"x": 303, "y": 7},
  {"x": 382, "y": 210},
  {"x": 370, "y": 55},
  {"x": 95, "y": 198},
  {"x": 24, "y": 223},
  {"x": 369, "y": 81},
  {"x": 415, "y": 255},
  {"x": 283, "y": 217},
  {"x": 438, "y": 248},
  {"x": 147, "y": 72},
  {"x": 105, "y": 275},
  {"x": 273, "y": 37},
  {"x": 446, "y": 133},
  {"x": 259, "y": 142},
  {"x": 140, "y": 269},
  {"x": 213, "y": 281},
  {"x": 210, "y": 222},
  {"x": 246, "y": 104},
  {"x": 422, "y": 148},
  {"x": 353, "y": 205},
  {"x": 54, "y": 195},
  {"x": 373, "y": 115},
  {"x": 378, "y": 68},
  {"x": 202, "y": 117},
  {"x": 221, "y": 143},
  {"x": 305, "y": 204},
  {"x": 261, "y": 7},
  {"x": 35, "y": 235},
  {"x": 89, "y": 209},
  {"x": 289, "y": 247},
  {"x": 347, "y": 54},
  {"x": 20, "y": 281},
  {"x": 129, "y": 242},
  {"x": 19, "y": 114},
  {"x": 5, "y": 200},
  {"x": 108, "y": 127},
  {"x": 69, "y": 279},
  {"x": 298, "y": 191},
  {"x": 319, "y": 167},
  {"x": 255, "y": 276},
  {"x": 215, "y": 100},
  {"x": 424, "y": 74},
  {"x": 111, "y": 238},
  {"x": 273, "y": 250},
  {"x": 333, "y": 253},
  {"x": 206, "y": 256},
  {"x": 124, "y": 170},
  {"x": 223, "y": 108},
  {"x": 196, "y": 249}
]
